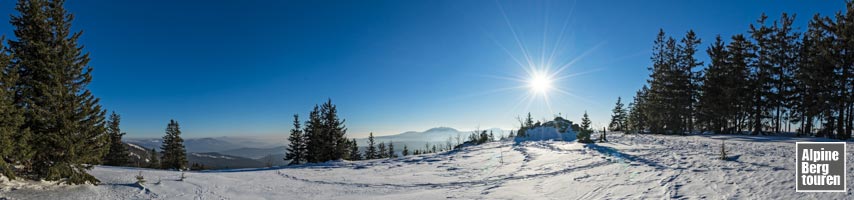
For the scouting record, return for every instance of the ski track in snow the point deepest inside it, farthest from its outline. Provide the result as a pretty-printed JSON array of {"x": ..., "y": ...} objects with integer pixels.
[{"x": 626, "y": 167}]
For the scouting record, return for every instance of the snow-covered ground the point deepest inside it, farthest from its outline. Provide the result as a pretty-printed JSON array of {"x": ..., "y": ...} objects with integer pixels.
[{"x": 627, "y": 167}]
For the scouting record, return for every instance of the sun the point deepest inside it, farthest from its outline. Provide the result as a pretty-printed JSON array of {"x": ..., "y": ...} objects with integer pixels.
[{"x": 539, "y": 83}]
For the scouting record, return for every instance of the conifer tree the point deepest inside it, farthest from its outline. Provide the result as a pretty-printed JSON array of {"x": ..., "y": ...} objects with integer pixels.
[
  {"x": 637, "y": 114},
  {"x": 761, "y": 79},
  {"x": 714, "y": 107},
  {"x": 12, "y": 149},
  {"x": 52, "y": 92},
  {"x": 689, "y": 80},
  {"x": 174, "y": 154},
  {"x": 740, "y": 55},
  {"x": 382, "y": 151},
  {"x": 391, "y": 153},
  {"x": 405, "y": 150},
  {"x": 314, "y": 141},
  {"x": 153, "y": 159},
  {"x": 118, "y": 153},
  {"x": 618, "y": 118},
  {"x": 296, "y": 151},
  {"x": 354, "y": 151},
  {"x": 371, "y": 153},
  {"x": 585, "y": 132},
  {"x": 335, "y": 132}
]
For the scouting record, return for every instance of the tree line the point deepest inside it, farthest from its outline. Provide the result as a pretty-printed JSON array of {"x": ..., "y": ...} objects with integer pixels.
[{"x": 763, "y": 82}]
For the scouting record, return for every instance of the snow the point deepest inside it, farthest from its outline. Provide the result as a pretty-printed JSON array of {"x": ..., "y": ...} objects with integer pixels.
[{"x": 627, "y": 167}]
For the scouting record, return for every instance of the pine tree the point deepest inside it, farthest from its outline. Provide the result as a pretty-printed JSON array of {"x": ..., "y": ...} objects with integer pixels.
[
  {"x": 391, "y": 153},
  {"x": 371, "y": 153},
  {"x": 118, "y": 153},
  {"x": 174, "y": 154},
  {"x": 618, "y": 118},
  {"x": 354, "y": 151},
  {"x": 714, "y": 107},
  {"x": 51, "y": 90},
  {"x": 296, "y": 151},
  {"x": 761, "y": 79},
  {"x": 740, "y": 55},
  {"x": 153, "y": 159},
  {"x": 688, "y": 80},
  {"x": 491, "y": 137},
  {"x": 785, "y": 59},
  {"x": 382, "y": 151},
  {"x": 12, "y": 148},
  {"x": 405, "y": 150}
]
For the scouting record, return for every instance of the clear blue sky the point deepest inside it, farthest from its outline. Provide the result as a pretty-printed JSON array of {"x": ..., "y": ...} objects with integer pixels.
[{"x": 244, "y": 67}]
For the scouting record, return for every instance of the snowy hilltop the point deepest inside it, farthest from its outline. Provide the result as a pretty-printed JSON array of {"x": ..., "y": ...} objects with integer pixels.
[{"x": 627, "y": 167}]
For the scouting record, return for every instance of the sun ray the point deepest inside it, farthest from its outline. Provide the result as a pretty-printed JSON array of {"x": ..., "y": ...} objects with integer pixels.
[
  {"x": 561, "y": 34},
  {"x": 577, "y": 58},
  {"x": 515, "y": 36}
]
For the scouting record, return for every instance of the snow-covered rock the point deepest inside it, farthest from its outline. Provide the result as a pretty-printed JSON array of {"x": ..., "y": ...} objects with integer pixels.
[
  {"x": 547, "y": 133},
  {"x": 558, "y": 129}
]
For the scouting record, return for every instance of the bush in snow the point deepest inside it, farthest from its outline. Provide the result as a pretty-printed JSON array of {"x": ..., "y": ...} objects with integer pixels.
[
  {"x": 723, "y": 151},
  {"x": 139, "y": 179}
]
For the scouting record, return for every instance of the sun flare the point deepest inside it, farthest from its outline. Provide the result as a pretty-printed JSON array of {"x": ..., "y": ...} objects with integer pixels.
[{"x": 540, "y": 83}]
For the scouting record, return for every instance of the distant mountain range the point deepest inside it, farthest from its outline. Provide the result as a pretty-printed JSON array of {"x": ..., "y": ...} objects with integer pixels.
[{"x": 261, "y": 151}]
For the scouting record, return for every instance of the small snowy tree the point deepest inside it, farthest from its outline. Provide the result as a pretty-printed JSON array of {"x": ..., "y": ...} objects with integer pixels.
[{"x": 723, "y": 151}]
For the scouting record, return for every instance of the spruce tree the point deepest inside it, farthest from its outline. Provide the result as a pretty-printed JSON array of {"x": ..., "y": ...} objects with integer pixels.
[
  {"x": 714, "y": 107},
  {"x": 405, "y": 150},
  {"x": 585, "y": 132},
  {"x": 174, "y": 154},
  {"x": 688, "y": 80},
  {"x": 296, "y": 151},
  {"x": 382, "y": 151},
  {"x": 391, "y": 153},
  {"x": 354, "y": 151},
  {"x": 118, "y": 154},
  {"x": 65, "y": 118},
  {"x": 740, "y": 55},
  {"x": 12, "y": 149},
  {"x": 335, "y": 132},
  {"x": 637, "y": 114},
  {"x": 153, "y": 159},
  {"x": 761, "y": 79},
  {"x": 371, "y": 153},
  {"x": 315, "y": 143},
  {"x": 618, "y": 118}
]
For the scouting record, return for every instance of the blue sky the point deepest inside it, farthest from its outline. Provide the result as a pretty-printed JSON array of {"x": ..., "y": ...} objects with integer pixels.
[{"x": 230, "y": 68}]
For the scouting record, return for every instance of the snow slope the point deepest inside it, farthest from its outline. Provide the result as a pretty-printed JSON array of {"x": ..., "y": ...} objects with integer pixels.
[{"x": 627, "y": 167}]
